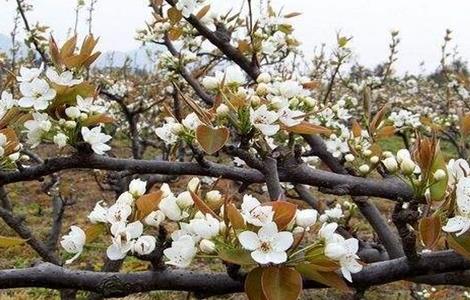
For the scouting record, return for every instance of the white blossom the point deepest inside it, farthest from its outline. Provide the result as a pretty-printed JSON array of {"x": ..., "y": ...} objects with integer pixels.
[
  {"x": 144, "y": 245},
  {"x": 29, "y": 74},
  {"x": 99, "y": 214},
  {"x": 124, "y": 236},
  {"x": 306, "y": 217},
  {"x": 137, "y": 187},
  {"x": 36, "y": 94},
  {"x": 96, "y": 139},
  {"x": 187, "y": 7},
  {"x": 155, "y": 218},
  {"x": 268, "y": 245},
  {"x": 73, "y": 242},
  {"x": 65, "y": 78},
  {"x": 254, "y": 213},
  {"x": 170, "y": 208},
  {"x": 206, "y": 228},
  {"x": 181, "y": 252},
  {"x": 263, "y": 120}
]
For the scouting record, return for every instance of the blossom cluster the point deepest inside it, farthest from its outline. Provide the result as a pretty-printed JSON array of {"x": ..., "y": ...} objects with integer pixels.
[{"x": 208, "y": 226}]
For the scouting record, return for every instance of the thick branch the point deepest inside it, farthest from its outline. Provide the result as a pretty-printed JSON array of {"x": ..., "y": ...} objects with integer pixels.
[
  {"x": 389, "y": 188},
  {"x": 121, "y": 284}
]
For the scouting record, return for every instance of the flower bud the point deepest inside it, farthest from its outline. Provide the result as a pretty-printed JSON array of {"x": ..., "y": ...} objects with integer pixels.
[
  {"x": 407, "y": 166},
  {"x": 439, "y": 175},
  {"x": 70, "y": 124},
  {"x": 309, "y": 101},
  {"x": 403, "y": 154},
  {"x": 165, "y": 188},
  {"x": 14, "y": 156},
  {"x": 367, "y": 152},
  {"x": 137, "y": 187},
  {"x": 262, "y": 89},
  {"x": 298, "y": 230},
  {"x": 306, "y": 217},
  {"x": 213, "y": 196},
  {"x": 60, "y": 140},
  {"x": 390, "y": 164},
  {"x": 210, "y": 83},
  {"x": 222, "y": 110},
  {"x": 207, "y": 246},
  {"x": 349, "y": 157},
  {"x": 184, "y": 200},
  {"x": 294, "y": 102},
  {"x": 193, "y": 184},
  {"x": 263, "y": 77},
  {"x": 364, "y": 169},
  {"x": 72, "y": 112}
]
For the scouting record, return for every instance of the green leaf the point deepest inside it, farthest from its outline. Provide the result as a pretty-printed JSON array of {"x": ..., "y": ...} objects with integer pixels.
[
  {"x": 281, "y": 283},
  {"x": 6, "y": 241},
  {"x": 331, "y": 279},
  {"x": 323, "y": 263},
  {"x": 236, "y": 256},
  {"x": 460, "y": 244}
]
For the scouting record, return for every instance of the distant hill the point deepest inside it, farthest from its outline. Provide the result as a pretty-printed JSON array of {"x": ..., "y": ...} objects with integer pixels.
[
  {"x": 5, "y": 42},
  {"x": 142, "y": 58}
]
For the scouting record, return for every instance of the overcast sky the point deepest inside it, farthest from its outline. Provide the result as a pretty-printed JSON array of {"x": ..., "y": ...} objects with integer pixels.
[{"x": 422, "y": 24}]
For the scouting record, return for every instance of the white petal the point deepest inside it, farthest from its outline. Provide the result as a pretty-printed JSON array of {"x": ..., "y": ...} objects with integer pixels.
[
  {"x": 335, "y": 250},
  {"x": 457, "y": 223},
  {"x": 282, "y": 241},
  {"x": 278, "y": 257},
  {"x": 346, "y": 274},
  {"x": 249, "y": 240},
  {"x": 260, "y": 257},
  {"x": 114, "y": 252},
  {"x": 268, "y": 232},
  {"x": 267, "y": 130},
  {"x": 352, "y": 245},
  {"x": 135, "y": 229}
]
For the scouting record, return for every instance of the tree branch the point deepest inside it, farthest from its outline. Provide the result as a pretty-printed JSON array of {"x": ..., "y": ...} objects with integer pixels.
[{"x": 111, "y": 284}]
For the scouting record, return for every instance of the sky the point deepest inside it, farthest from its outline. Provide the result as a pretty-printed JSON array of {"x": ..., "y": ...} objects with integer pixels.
[{"x": 422, "y": 24}]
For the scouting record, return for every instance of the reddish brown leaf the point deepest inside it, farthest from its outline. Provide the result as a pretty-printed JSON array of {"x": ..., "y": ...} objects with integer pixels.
[
  {"x": 234, "y": 216},
  {"x": 147, "y": 203},
  {"x": 211, "y": 139},
  {"x": 281, "y": 283},
  {"x": 308, "y": 128},
  {"x": 284, "y": 213},
  {"x": 253, "y": 287},
  {"x": 202, "y": 206},
  {"x": 430, "y": 230}
]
